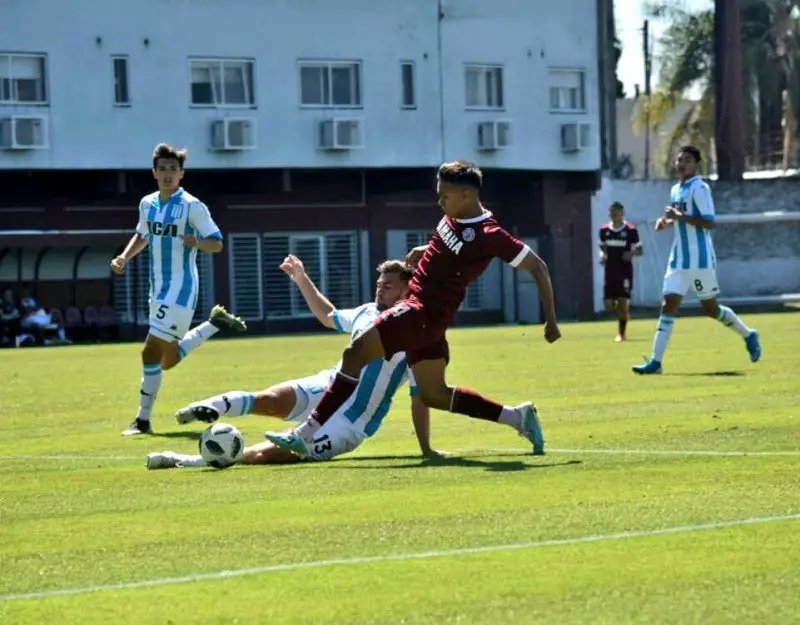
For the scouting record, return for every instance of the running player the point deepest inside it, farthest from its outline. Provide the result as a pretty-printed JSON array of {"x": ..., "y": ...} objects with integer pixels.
[
  {"x": 619, "y": 243},
  {"x": 466, "y": 240},
  {"x": 172, "y": 225},
  {"x": 692, "y": 263},
  {"x": 294, "y": 400}
]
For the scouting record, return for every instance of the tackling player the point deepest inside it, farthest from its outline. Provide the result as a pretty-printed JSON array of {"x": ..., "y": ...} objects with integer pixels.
[
  {"x": 356, "y": 420},
  {"x": 172, "y": 225},
  {"x": 692, "y": 263},
  {"x": 619, "y": 243},
  {"x": 466, "y": 240}
]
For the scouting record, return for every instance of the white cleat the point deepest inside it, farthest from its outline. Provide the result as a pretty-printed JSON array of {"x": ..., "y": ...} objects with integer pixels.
[
  {"x": 163, "y": 460},
  {"x": 197, "y": 412}
]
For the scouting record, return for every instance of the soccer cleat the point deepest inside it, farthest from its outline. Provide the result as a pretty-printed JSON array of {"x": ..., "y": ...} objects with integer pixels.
[
  {"x": 139, "y": 426},
  {"x": 753, "y": 346},
  {"x": 223, "y": 320},
  {"x": 197, "y": 412},
  {"x": 619, "y": 338},
  {"x": 649, "y": 367},
  {"x": 163, "y": 460},
  {"x": 288, "y": 441},
  {"x": 531, "y": 428}
]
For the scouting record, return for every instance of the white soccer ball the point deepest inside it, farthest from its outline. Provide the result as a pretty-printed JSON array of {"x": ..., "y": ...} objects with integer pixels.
[{"x": 221, "y": 445}]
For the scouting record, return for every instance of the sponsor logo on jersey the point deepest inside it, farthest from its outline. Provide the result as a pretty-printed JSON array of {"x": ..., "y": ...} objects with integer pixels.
[
  {"x": 450, "y": 239},
  {"x": 158, "y": 229}
]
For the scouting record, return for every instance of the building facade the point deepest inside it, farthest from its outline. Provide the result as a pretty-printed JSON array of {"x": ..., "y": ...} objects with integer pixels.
[{"x": 313, "y": 127}]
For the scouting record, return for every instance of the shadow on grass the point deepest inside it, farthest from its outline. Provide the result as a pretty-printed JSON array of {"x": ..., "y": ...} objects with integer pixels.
[{"x": 712, "y": 374}]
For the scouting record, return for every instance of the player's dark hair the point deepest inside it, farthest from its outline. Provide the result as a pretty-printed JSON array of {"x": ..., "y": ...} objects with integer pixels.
[
  {"x": 164, "y": 150},
  {"x": 617, "y": 205},
  {"x": 690, "y": 149},
  {"x": 395, "y": 266},
  {"x": 461, "y": 173}
]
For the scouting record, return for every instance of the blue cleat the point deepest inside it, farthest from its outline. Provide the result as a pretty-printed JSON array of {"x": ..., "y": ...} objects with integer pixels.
[
  {"x": 648, "y": 368},
  {"x": 531, "y": 428},
  {"x": 753, "y": 346},
  {"x": 288, "y": 441}
]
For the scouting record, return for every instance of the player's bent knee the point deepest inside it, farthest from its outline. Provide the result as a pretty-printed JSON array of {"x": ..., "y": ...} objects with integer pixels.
[{"x": 437, "y": 398}]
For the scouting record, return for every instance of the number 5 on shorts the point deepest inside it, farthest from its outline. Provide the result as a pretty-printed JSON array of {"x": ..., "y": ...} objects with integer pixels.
[{"x": 162, "y": 311}]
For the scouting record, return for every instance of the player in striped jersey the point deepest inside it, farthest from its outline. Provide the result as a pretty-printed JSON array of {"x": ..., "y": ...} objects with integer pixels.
[
  {"x": 173, "y": 225},
  {"x": 357, "y": 420},
  {"x": 692, "y": 263}
]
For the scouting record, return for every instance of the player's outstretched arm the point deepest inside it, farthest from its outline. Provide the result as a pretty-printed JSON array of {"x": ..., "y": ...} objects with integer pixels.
[
  {"x": 421, "y": 415},
  {"x": 535, "y": 266},
  {"x": 319, "y": 305}
]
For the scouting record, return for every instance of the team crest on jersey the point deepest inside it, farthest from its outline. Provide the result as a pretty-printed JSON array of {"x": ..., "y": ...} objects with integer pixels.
[
  {"x": 450, "y": 239},
  {"x": 468, "y": 234}
]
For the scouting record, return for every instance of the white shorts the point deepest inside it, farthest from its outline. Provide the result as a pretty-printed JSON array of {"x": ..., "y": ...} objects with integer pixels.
[
  {"x": 308, "y": 392},
  {"x": 336, "y": 437},
  {"x": 169, "y": 322},
  {"x": 702, "y": 281}
]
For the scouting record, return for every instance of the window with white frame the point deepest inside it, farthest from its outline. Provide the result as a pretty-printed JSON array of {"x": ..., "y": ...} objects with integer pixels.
[
  {"x": 22, "y": 79},
  {"x": 331, "y": 261},
  {"x": 223, "y": 82},
  {"x": 330, "y": 84},
  {"x": 473, "y": 300},
  {"x": 567, "y": 90},
  {"x": 484, "y": 86},
  {"x": 121, "y": 94},
  {"x": 407, "y": 85}
]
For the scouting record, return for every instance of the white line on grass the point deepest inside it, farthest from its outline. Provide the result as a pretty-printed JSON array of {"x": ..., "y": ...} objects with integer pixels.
[
  {"x": 67, "y": 457},
  {"x": 424, "y": 555},
  {"x": 672, "y": 452}
]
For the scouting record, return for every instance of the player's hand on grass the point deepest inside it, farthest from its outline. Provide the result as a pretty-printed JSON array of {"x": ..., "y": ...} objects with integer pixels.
[
  {"x": 189, "y": 240},
  {"x": 293, "y": 267},
  {"x": 118, "y": 265},
  {"x": 551, "y": 332},
  {"x": 412, "y": 258}
]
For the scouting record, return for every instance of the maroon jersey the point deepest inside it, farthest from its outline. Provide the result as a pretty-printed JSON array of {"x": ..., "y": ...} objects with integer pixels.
[
  {"x": 458, "y": 253},
  {"x": 615, "y": 242}
]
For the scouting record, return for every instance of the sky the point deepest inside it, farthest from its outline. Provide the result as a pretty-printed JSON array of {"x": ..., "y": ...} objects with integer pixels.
[{"x": 630, "y": 16}]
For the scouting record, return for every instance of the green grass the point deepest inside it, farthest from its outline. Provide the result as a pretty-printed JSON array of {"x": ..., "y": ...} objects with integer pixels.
[{"x": 78, "y": 509}]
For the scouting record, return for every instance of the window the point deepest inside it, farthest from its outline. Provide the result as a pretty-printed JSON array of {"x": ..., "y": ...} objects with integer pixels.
[
  {"x": 484, "y": 87},
  {"x": 223, "y": 82},
  {"x": 330, "y": 84},
  {"x": 22, "y": 79},
  {"x": 567, "y": 91},
  {"x": 409, "y": 95},
  {"x": 121, "y": 94},
  {"x": 473, "y": 300},
  {"x": 331, "y": 261},
  {"x": 244, "y": 261}
]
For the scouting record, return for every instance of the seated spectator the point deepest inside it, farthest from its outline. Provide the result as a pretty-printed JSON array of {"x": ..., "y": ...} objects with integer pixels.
[
  {"x": 39, "y": 320},
  {"x": 9, "y": 318}
]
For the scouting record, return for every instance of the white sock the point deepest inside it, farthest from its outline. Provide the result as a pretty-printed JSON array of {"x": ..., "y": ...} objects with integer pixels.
[
  {"x": 663, "y": 332},
  {"x": 730, "y": 319},
  {"x": 151, "y": 382},
  {"x": 233, "y": 403},
  {"x": 195, "y": 338},
  {"x": 511, "y": 416},
  {"x": 189, "y": 460},
  {"x": 307, "y": 429}
]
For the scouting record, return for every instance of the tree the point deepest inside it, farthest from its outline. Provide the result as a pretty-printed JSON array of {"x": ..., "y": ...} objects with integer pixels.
[{"x": 617, "y": 54}]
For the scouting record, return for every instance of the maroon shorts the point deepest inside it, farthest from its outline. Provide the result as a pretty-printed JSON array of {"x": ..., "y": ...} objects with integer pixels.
[
  {"x": 405, "y": 327},
  {"x": 618, "y": 289}
]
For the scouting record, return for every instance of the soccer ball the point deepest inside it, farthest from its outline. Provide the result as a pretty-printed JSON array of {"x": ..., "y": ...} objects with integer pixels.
[{"x": 221, "y": 445}]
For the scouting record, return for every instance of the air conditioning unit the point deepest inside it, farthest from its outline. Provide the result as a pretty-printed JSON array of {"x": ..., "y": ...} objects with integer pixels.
[
  {"x": 24, "y": 132},
  {"x": 494, "y": 135},
  {"x": 233, "y": 134},
  {"x": 340, "y": 134},
  {"x": 575, "y": 136}
]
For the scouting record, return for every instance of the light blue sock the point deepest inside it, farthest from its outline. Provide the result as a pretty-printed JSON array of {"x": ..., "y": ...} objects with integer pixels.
[
  {"x": 233, "y": 403},
  {"x": 663, "y": 332}
]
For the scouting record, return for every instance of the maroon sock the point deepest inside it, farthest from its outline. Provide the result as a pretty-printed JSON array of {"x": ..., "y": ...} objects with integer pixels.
[
  {"x": 623, "y": 323},
  {"x": 468, "y": 402},
  {"x": 338, "y": 392}
]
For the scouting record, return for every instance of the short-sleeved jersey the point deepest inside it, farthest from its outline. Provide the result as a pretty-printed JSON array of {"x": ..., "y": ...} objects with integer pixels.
[
  {"x": 693, "y": 247},
  {"x": 379, "y": 380},
  {"x": 459, "y": 251},
  {"x": 173, "y": 265},
  {"x": 615, "y": 242}
]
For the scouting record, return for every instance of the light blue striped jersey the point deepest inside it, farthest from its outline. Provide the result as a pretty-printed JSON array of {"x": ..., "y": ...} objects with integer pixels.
[
  {"x": 693, "y": 247},
  {"x": 173, "y": 265},
  {"x": 379, "y": 380}
]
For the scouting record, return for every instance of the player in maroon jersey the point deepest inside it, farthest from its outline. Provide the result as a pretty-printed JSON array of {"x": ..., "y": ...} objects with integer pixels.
[
  {"x": 466, "y": 240},
  {"x": 619, "y": 243}
]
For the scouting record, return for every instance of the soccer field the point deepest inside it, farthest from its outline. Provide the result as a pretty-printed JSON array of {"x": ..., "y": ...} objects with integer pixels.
[{"x": 645, "y": 509}]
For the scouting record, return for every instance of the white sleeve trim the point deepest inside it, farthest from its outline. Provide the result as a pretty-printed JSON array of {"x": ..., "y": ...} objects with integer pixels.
[{"x": 521, "y": 256}]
